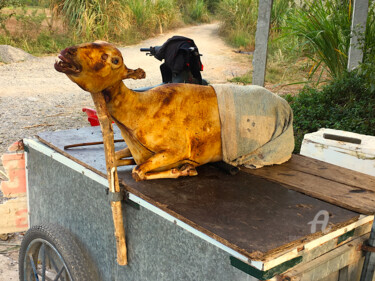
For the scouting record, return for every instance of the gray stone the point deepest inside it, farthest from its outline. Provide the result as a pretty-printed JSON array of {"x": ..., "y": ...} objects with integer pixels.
[
  {"x": 261, "y": 42},
  {"x": 358, "y": 29},
  {"x": 9, "y": 54}
]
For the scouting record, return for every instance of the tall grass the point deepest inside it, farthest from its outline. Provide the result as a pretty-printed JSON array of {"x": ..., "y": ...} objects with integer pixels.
[
  {"x": 118, "y": 20},
  {"x": 239, "y": 19},
  {"x": 86, "y": 17},
  {"x": 317, "y": 29},
  {"x": 280, "y": 11},
  {"x": 199, "y": 11},
  {"x": 325, "y": 28},
  {"x": 195, "y": 10},
  {"x": 128, "y": 20}
]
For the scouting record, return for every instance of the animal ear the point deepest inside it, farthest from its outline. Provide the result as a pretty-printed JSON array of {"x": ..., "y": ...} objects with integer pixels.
[{"x": 134, "y": 74}]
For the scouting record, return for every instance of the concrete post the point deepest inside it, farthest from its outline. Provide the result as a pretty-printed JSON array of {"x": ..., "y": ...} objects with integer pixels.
[
  {"x": 261, "y": 42},
  {"x": 359, "y": 19}
]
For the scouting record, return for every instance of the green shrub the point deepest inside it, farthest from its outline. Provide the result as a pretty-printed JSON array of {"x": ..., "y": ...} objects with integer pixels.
[{"x": 345, "y": 104}]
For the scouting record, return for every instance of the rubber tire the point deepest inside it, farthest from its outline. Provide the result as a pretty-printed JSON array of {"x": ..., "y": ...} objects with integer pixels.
[{"x": 78, "y": 264}]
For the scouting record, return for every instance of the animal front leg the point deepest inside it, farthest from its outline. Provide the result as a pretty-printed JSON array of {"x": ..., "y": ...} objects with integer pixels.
[{"x": 160, "y": 160}]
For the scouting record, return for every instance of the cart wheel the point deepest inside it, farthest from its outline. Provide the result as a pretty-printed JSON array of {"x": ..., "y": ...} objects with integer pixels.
[{"x": 49, "y": 252}]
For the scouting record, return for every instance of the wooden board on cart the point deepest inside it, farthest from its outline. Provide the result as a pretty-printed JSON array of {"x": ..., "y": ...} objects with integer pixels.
[
  {"x": 263, "y": 217},
  {"x": 343, "y": 263},
  {"x": 343, "y": 187}
]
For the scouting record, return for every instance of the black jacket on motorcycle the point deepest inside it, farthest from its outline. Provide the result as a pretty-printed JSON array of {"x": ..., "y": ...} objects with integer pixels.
[{"x": 180, "y": 53}]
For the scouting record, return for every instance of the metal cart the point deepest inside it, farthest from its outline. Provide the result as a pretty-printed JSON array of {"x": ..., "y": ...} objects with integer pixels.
[{"x": 303, "y": 220}]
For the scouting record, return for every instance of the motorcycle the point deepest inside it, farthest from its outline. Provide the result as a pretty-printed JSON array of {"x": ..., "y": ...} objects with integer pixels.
[{"x": 182, "y": 62}]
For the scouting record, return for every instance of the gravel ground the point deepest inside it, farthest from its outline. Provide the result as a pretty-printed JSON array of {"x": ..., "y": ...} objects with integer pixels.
[{"x": 35, "y": 98}]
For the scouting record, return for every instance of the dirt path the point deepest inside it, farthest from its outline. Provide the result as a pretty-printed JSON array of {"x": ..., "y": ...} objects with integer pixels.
[{"x": 34, "y": 97}]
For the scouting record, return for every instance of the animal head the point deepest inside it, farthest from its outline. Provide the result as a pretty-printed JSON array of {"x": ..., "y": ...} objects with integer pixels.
[{"x": 95, "y": 66}]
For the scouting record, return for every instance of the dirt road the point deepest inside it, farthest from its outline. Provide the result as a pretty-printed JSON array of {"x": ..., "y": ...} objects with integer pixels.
[{"x": 34, "y": 97}]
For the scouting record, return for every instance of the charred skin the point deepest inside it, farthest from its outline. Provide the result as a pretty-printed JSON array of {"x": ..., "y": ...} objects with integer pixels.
[{"x": 169, "y": 130}]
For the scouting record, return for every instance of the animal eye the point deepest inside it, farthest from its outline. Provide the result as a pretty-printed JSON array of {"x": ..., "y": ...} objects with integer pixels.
[
  {"x": 115, "y": 60},
  {"x": 104, "y": 57}
]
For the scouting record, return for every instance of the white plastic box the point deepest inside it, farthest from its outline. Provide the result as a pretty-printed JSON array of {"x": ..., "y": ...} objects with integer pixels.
[{"x": 341, "y": 148}]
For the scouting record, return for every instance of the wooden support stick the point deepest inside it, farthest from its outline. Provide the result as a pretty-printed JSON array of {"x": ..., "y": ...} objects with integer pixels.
[
  {"x": 109, "y": 150},
  {"x": 87, "y": 144}
]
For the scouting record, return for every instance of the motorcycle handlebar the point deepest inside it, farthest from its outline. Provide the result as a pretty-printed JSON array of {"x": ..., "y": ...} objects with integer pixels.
[{"x": 151, "y": 51}]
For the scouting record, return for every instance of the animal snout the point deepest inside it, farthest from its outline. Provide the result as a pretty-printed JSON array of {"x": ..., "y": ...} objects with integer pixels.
[{"x": 71, "y": 50}]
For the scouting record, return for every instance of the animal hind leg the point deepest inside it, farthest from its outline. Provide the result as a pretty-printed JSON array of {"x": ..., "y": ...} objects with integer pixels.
[
  {"x": 124, "y": 153},
  {"x": 160, "y": 160},
  {"x": 183, "y": 171}
]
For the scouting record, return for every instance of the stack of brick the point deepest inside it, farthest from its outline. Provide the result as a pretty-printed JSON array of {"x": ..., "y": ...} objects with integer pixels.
[{"x": 13, "y": 212}]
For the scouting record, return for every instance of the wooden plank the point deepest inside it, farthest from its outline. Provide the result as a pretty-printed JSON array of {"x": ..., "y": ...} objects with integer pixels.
[
  {"x": 261, "y": 42},
  {"x": 329, "y": 263},
  {"x": 344, "y": 274},
  {"x": 346, "y": 196},
  {"x": 331, "y": 172},
  {"x": 355, "y": 269},
  {"x": 313, "y": 248},
  {"x": 332, "y": 277}
]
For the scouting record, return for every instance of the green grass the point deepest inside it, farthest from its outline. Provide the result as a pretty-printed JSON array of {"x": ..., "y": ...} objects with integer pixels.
[
  {"x": 44, "y": 43},
  {"x": 243, "y": 79}
]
